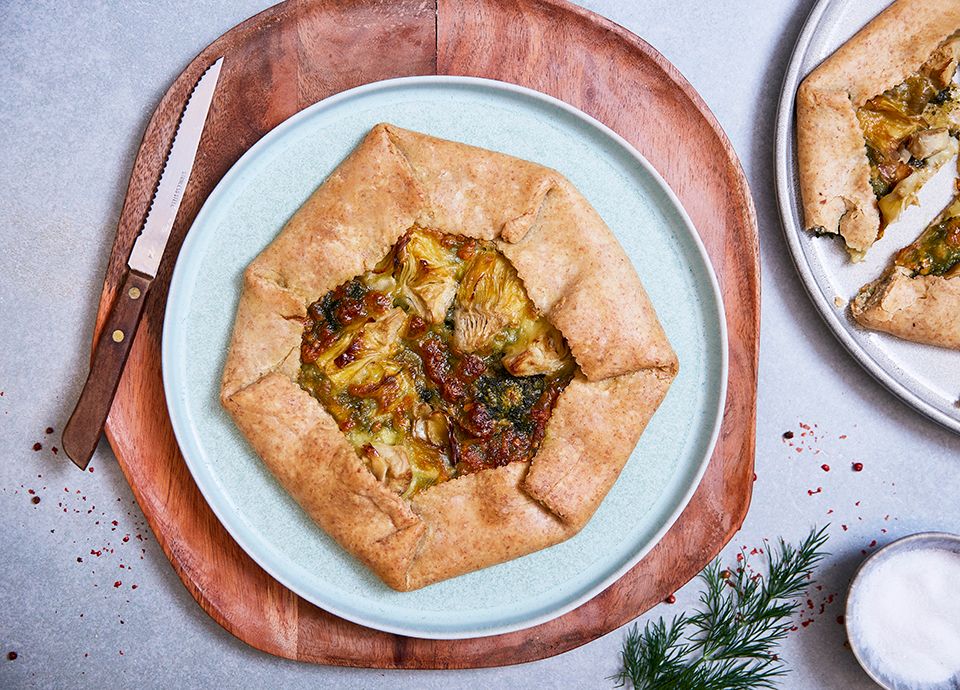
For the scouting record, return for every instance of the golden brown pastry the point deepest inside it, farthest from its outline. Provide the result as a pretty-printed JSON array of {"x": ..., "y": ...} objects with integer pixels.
[
  {"x": 877, "y": 119},
  {"x": 918, "y": 298},
  {"x": 445, "y": 357}
]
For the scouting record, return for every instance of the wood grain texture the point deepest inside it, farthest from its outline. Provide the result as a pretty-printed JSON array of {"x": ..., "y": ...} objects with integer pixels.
[{"x": 299, "y": 52}]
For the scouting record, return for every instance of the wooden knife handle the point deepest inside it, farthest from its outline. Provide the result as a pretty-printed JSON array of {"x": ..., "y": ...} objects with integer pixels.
[{"x": 83, "y": 429}]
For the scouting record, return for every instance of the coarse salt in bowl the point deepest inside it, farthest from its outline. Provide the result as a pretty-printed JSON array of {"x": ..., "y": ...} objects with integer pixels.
[{"x": 903, "y": 613}]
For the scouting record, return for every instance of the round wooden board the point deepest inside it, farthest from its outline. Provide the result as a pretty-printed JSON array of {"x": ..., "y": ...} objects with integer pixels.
[{"x": 302, "y": 51}]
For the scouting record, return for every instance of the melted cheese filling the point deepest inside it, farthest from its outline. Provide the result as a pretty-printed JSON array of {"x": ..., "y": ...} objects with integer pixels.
[{"x": 435, "y": 363}]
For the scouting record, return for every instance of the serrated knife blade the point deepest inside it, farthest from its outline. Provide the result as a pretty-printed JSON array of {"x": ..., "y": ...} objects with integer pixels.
[
  {"x": 148, "y": 247},
  {"x": 82, "y": 431}
]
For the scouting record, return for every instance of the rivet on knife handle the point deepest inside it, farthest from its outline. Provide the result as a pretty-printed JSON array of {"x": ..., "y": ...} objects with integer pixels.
[{"x": 82, "y": 432}]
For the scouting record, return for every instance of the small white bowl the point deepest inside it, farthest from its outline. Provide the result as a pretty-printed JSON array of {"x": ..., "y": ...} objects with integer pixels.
[{"x": 943, "y": 541}]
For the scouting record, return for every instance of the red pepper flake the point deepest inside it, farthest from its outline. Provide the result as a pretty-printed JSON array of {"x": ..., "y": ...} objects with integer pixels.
[
  {"x": 79, "y": 560},
  {"x": 35, "y": 500},
  {"x": 825, "y": 467},
  {"x": 121, "y": 652},
  {"x": 754, "y": 476},
  {"x": 739, "y": 557},
  {"x": 841, "y": 620},
  {"x": 90, "y": 469},
  {"x": 37, "y": 446},
  {"x": 806, "y": 622},
  {"x": 811, "y": 492},
  {"x": 117, "y": 583},
  {"x": 873, "y": 543},
  {"x": 12, "y": 656},
  {"x": 798, "y": 449},
  {"x": 114, "y": 523},
  {"x": 829, "y": 512},
  {"x": 48, "y": 430},
  {"x": 787, "y": 435},
  {"x": 844, "y": 527},
  {"x": 53, "y": 450},
  {"x": 126, "y": 538},
  {"x": 857, "y": 467},
  {"x": 135, "y": 586},
  {"x": 670, "y": 599}
]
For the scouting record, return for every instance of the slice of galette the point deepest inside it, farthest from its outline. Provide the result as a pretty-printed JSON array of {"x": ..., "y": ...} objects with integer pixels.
[
  {"x": 918, "y": 298},
  {"x": 877, "y": 119},
  {"x": 445, "y": 357}
]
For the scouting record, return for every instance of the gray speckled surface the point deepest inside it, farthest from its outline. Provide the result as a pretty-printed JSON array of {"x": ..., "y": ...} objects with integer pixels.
[{"x": 79, "y": 82}]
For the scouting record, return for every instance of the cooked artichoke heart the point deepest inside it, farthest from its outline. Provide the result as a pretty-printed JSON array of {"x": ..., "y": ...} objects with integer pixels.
[
  {"x": 426, "y": 276},
  {"x": 544, "y": 353},
  {"x": 905, "y": 193},
  {"x": 376, "y": 340},
  {"x": 927, "y": 142},
  {"x": 490, "y": 299}
]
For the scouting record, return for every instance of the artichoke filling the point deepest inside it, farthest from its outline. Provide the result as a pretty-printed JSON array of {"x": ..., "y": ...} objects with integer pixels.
[
  {"x": 937, "y": 250},
  {"x": 435, "y": 363},
  {"x": 910, "y": 131}
]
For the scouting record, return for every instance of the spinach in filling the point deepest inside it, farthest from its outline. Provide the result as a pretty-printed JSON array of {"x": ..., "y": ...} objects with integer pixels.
[{"x": 435, "y": 363}]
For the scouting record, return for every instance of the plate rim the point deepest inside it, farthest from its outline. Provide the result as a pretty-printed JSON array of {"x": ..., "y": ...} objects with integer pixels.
[
  {"x": 841, "y": 330},
  {"x": 181, "y": 426}
]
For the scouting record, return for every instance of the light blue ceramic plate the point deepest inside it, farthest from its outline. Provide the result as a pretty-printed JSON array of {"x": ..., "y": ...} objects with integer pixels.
[{"x": 250, "y": 206}]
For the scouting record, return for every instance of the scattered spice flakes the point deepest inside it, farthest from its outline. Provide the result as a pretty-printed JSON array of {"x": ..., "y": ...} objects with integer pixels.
[
  {"x": 841, "y": 619},
  {"x": 844, "y": 527},
  {"x": 825, "y": 467},
  {"x": 671, "y": 596},
  {"x": 672, "y": 599},
  {"x": 53, "y": 450},
  {"x": 90, "y": 469},
  {"x": 857, "y": 467},
  {"x": 12, "y": 656},
  {"x": 787, "y": 435},
  {"x": 117, "y": 583},
  {"x": 48, "y": 430},
  {"x": 843, "y": 437},
  {"x": 811, "y": 492},
  {"x": 37, "y": 446},
  {"x": 35, "y": 500},
  {"x": 872, "y": 544}
]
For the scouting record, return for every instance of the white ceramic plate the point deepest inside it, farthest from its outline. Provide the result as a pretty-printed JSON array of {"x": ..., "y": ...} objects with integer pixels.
[
  {"x": 249, "y": 207},
  {"x": 926, "y": 378}
]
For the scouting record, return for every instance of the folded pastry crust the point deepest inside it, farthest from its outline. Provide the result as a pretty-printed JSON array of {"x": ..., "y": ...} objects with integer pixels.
[
  {"x": 832, "y": 157},
  {"x": 574, "y": 271},
  {"x": 925, "y": 309}
]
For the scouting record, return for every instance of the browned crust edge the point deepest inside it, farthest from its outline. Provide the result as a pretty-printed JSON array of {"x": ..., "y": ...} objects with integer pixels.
[
  {"x": 834, "y": 170},
  {"x": 574, "y": 271},
  {"x": 924, "y": 309}
]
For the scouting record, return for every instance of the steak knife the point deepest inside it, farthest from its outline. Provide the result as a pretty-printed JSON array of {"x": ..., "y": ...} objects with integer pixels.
[{"x": 83, "y": 429}]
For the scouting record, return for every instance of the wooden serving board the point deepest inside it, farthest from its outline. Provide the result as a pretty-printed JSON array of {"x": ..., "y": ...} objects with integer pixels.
[{"x": 302, "y": 51}]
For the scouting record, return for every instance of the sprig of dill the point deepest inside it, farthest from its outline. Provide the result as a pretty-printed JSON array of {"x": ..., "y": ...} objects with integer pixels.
[{"x": 729, "y": 642}]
